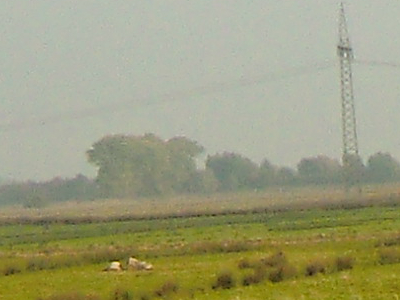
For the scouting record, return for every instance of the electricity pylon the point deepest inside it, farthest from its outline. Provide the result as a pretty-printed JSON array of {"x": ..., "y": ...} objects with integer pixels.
[{"x": 350, "y": 159}]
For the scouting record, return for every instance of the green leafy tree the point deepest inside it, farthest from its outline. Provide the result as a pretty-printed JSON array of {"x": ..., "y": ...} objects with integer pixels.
[
  {"x": 382, "y": 167},
  {"x": 119, "y": 160},
  {"x": 143, "y": 165},
  {"x": 202, "y": 182},
  {"x": 286, "y": 176},
  {"x": 39, "y": 194},
  {"x": 233, "y": 171},
  {"x": 267, "y": 175},
  {"x": 182, "y": 153},
  {"x": 319, "y": 170}
]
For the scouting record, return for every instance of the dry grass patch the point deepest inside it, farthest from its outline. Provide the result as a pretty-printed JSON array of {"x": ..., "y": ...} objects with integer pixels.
[
  {"x": 71, "y": 296},
  {"x": 168, "y": 288},
  {"x": 11, "y": 270},
  {"x": 283, "y": 272},
  {"x": 245, "y": 263},
  {"x": 275, "y": 260},
  {"x": 122, "y": 294},
  {"x": 275, "y": 268},
  {"x": 258, "y": 276},
  {"x": 344, "y": 263},
  {"x": 316, "y": 266},
  {"x": 225, "y": 280},
  {"x": 389, "y": 256},
  {"x": 393, "y": 240},
  {"x": 280, "y": 199}
]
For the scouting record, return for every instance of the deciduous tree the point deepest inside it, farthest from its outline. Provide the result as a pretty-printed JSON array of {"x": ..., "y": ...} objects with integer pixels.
[
  {"x": 382, "y": 167},
  {"x": 143, "y": 165},
  {"x": 233, "y": 171}
]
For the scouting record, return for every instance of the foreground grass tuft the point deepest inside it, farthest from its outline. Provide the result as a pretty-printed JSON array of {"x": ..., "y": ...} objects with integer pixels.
[
  {"x": 71, "y": 296},
  {"x": 344, "y": 263},
  {"x": 275, "y": 268},
  {"x": 316, "y": 266},
  {"x": 258, "y": 276},
  {"x": 169, "y": 287},
  {"x": 122, "y": 294},
  {"x": 275, "y": 260},
  {"x": 283, "y": 272},
  {"x": 245, "y": 263},
  {"x": 225, "y": 280},
  {"x": 11, "y": 270},
  {"x": 389, "y": 256}
]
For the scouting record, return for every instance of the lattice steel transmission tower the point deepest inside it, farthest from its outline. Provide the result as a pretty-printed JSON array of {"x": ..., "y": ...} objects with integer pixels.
[{"x": 350, "y": 159}]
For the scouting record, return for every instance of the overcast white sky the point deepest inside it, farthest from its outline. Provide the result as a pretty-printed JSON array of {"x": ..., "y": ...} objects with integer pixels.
[{"x": 73, "y": 71}]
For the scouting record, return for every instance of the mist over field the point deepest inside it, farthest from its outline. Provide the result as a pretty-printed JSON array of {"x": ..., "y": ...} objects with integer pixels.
[
  {"x": 259, "y": 78},
  {"x": 194, "y": 150}
]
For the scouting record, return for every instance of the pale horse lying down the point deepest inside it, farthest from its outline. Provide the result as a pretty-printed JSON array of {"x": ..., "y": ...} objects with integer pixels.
[
  {"x": 136, "y": 264},
  {"x": 133, "y": 264},
  {"x": 114, "y": 266}
]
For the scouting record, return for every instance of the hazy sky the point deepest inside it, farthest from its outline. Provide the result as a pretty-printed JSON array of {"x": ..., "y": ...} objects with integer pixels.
[{"x": 73, "y": 71}]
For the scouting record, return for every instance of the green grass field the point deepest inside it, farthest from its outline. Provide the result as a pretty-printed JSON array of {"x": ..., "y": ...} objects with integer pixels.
[{"x": 265, "y": 251}]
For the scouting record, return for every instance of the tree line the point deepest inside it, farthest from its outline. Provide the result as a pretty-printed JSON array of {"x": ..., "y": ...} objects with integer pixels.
[{"x": 131, "y": 166}]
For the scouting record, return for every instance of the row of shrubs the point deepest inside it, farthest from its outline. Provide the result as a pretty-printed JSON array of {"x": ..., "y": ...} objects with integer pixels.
[
  {"x": 51, "y": 262},
  {"x": 274, "y": 268},
  {"x": 163, "y": 291},
  {"x": 386, "y": 255},
  {"x": 106, "y": 254},
  {"x": 277, "y": 268}
]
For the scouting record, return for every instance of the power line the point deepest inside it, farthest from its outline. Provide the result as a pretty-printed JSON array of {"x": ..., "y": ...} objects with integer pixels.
[
  {"x": 378, "y": 63},
  {"x": 164, "y": 98},
  {"x": 178, "y": 96}
]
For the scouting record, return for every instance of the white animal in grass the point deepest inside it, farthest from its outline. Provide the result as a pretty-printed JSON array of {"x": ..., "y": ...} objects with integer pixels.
[
  {"x": 114, "y": 266},
  {"x": 136, "y": 264}
]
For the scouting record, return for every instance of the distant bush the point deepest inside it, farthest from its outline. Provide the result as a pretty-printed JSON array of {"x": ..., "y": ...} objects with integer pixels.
[
  {"x": 344, "y": 263},
  {"x": 275, "y": 260},
  {"x": 104, "y": 254},
  {"x": 143, "y": 296},
  {"x": 36, "y": 201},
  {"x": 11, "y": 270},
  {"x": 222, "y": 247},
  {"x": 71, "y": 296},
  {"x": 225, "y": 280},
  {"x": 245, "y": 263},
  {"x": 258, "y": 276},
  {"x": 283, "y": 272},
  {"x": 275, "y": 268},
  {"x": 37, "y": 264},
  {"x": 121, "y": 294},
  {"x": 389, "y": 256},
  {"x": 39, "y": 194},
  {"x": 166, "y": 289},
  {"x": 391, "y": 241},
  {"x": 96, "y": 255},
  {"x": 316, "y": 266}
]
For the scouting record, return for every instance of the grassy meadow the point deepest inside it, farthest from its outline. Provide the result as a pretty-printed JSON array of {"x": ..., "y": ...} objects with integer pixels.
[{"x": 282, "y": 244}]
